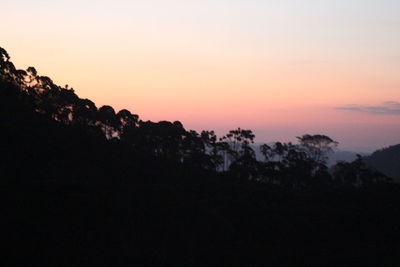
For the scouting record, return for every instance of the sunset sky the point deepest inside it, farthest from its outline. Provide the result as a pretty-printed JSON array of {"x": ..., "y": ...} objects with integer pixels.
[{"x": 280, "y": 67}]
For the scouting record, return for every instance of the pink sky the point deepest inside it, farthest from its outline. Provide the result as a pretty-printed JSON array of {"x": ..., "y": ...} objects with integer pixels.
[{"x": 282, "y": 69}]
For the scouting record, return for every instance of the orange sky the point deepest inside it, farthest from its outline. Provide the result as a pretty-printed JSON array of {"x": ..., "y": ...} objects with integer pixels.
[{"x": 282, "y": 68}]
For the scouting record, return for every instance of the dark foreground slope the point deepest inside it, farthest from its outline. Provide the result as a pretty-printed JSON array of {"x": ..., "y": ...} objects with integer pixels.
[
  {"x": 181, "y": 225},
  {"x": 72, "y": 197}
]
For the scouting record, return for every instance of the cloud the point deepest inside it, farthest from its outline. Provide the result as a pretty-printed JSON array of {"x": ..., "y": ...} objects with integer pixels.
[{"x": 387, "y": 108}]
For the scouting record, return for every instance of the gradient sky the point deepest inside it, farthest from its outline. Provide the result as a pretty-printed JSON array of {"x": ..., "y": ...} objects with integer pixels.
[{"x": 280, "y": 67}]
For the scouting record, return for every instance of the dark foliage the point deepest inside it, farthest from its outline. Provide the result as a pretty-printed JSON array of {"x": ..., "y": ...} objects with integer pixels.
[{"x": 92, "y": 186}]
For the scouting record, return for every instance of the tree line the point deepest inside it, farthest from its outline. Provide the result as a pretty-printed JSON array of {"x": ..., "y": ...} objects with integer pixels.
[{"x": 232, "y": 155}]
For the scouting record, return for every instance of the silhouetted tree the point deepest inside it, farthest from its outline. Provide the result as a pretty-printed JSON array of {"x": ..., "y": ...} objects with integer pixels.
[
  {"x": 317, "y": 146},
  {"x": 214, "y": 149},
  {"x": 108, "y": 121},
  {"x": 127, "y": 119},
  {"x": 239, "y": 155}
]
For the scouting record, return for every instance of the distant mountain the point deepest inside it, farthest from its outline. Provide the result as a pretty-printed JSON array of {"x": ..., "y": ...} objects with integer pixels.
[
  {"x": 340, "y": 155},
  {"x": 387, "y": 161}
]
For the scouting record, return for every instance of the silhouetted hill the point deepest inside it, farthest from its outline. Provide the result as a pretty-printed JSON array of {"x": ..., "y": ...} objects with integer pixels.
[
  {"x": 387, "y": 161},
  {"x": 341, "y": 155},
  {"x": 89, "y": 186}
]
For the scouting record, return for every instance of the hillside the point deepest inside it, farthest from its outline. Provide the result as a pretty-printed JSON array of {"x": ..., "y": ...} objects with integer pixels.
[
  {"x": 387, "y": 161},
  {"x": 83, "y": 185}
]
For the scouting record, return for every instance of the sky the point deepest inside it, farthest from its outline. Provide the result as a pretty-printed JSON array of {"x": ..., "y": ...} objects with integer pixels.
[{"x": 282, "y": 68}]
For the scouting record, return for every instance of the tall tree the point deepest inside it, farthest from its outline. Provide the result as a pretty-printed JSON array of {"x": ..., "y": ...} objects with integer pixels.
[{"x": 318, "y": 147}]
